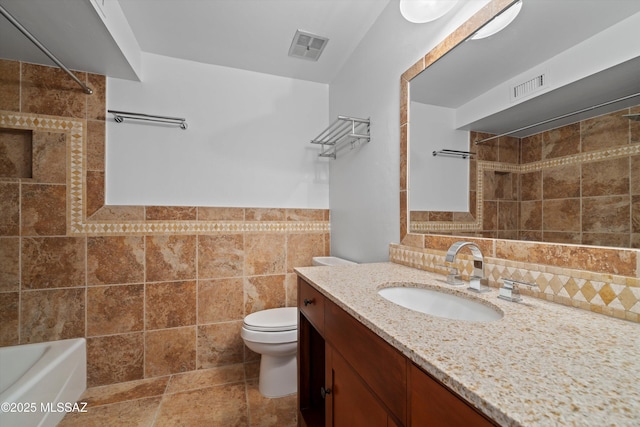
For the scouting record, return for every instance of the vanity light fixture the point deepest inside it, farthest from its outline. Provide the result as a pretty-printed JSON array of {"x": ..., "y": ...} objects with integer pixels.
[
  {"x": 421, "y": 11},
  {"x": 498, "y": 23}
]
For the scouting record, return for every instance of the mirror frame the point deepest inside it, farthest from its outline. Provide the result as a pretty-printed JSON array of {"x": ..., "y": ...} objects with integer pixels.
[{"x": 463, "y": 32}]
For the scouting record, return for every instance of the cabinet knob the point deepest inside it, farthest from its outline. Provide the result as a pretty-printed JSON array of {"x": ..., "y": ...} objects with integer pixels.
[
  {"x": 324, "y": 391},
  {"x": 308, "y": 301}
]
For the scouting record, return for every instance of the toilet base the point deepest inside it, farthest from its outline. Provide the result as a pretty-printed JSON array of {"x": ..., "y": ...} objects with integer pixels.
[{"x": 278, "y": 376}]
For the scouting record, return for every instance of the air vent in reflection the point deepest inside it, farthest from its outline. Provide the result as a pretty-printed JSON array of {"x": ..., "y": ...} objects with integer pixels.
[
  {"x": 522, "y": 90},
  {"x": 307, "y": 46}
]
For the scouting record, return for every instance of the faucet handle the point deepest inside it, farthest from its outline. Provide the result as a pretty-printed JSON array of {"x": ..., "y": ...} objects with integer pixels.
[{"x": 509, "y": 290}]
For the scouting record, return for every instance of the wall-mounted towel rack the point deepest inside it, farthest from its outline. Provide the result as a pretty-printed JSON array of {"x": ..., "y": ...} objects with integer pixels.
[
  {"x": 86, "y": 89},
  {"x": 344, "y": 129},
  {"x": 454, "y": 153},
  {"x": 119, "y": 117}
]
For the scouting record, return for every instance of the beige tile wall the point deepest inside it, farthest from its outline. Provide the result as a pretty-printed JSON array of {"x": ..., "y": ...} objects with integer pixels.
[
  {"x": 573, "y": 184},
  {"x": 155, "y": 290}
]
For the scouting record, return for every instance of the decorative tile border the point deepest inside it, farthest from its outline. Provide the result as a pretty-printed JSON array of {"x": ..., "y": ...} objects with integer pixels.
[
  {"x": 79, "y": 225},
  {"x": 612, "y": 295}
]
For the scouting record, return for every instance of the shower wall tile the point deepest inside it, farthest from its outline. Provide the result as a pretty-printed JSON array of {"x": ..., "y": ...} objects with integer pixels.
[
  {"x": 531, "y": 186},
  {"x": 44, "y": 210},
  {"x": 306, "y": 215},
  {"x": 95, "y": 192},
  {"x": 170, "y": 351},
  {"x": 634, "y": 126},
  {"x": 49, "y": 159},
  {"x": 635, "y": 214},
  {"x": 49, "y": 315},
  {"x": 561, "y": 182},
  {"x": 115, "y": 309},
  {"x": 621, "y": 240},
  {"x": 635, "y": 175},
  {"x": 115, "y": 358},
  {"x": 170, "y": 304},
  {"x": 531, "y": 149},
  {"x": 606, "y": 214},
  {"x": 50, "y": 91},
  {"x": 531, "y": 215},
  {"x": 96, "y": 133},
  {"x": 561, "y": 215},
  {"x": 113, "y": 260},
  {"x": 220, "y": 300},
  {"x": 560, "y": 142},
  {"x": 9, "y": 85},
  {"x": 9, "y": 264},
  {"x": 15, "y": 154},
  {"x": 221, "y": 256},
  {"x": 220, "y": 344},
  {"x": 170, "y": 213},
  {"x": 9, "y": 209},
  {"x": 9, "y": 318},
  {"x": 220, "y": 214},
  {"x": 96, "y": 102},
  {"x": 610, "y": 130},
  {"x": 170, "y": 257},
  {"x": 53, "y": 262},
  {"x": 605, "y": 178}
]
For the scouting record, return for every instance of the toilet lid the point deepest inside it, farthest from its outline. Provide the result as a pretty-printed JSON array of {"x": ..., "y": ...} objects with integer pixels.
[{"x": 273, "y": 320}]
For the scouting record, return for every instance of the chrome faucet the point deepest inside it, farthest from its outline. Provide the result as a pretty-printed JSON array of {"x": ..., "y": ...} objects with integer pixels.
[{"x": 477, "y": 280}]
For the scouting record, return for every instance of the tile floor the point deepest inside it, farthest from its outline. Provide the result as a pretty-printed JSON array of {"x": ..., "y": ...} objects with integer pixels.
[{"x": 224, "y": 396}]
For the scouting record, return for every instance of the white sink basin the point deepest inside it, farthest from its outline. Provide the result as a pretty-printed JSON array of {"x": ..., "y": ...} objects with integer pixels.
[{"x": 440, "y": 304}]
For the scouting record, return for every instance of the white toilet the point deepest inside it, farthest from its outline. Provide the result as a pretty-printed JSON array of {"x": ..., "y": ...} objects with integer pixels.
[{"x": 273, "y": 333}]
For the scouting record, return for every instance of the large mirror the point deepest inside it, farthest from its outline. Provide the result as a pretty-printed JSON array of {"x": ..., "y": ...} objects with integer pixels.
[{"x": 529, "y": 134}]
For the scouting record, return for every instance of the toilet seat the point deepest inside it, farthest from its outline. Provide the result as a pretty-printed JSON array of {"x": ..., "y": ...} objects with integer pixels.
[{"x": 273, "y": 320}]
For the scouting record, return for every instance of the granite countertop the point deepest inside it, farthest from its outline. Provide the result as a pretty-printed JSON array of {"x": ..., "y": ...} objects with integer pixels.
[{"x": 541, "y": 364}]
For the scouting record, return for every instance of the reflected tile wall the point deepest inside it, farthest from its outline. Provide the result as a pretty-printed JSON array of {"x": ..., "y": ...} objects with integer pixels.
[{"x": 149, "y": 304}]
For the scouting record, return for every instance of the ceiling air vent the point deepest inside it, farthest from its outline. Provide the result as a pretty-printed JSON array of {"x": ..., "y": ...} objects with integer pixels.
[
  {"x": 524, "y": 89},
  {"x": 307, "y": 46}
]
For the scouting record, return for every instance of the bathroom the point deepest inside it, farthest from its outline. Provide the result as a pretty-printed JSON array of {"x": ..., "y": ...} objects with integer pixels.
[{"x": 157, "y": 306}]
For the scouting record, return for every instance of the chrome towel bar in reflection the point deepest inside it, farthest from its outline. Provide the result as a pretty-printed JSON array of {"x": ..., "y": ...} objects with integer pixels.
[
  {"x": 119, "y": 117},
  {"x": 453, "y": 153}
]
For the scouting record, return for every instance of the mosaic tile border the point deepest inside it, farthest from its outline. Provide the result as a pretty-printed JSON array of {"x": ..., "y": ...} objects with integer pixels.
[
  {"x": 612, "y": 295},
  {"x": 592, "y": 156},
  {"x": 79, "y": 225}
]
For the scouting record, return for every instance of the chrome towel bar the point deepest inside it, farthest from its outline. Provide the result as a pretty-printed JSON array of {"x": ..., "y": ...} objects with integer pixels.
[
  {"x": 453, "y": 153},
  {"x": 86, "y": 89},
  {"x": 119, "y": 117}
]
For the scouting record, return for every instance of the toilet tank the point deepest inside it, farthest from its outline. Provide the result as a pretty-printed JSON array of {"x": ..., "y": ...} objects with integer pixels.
[{"x": 330, "y": 260}]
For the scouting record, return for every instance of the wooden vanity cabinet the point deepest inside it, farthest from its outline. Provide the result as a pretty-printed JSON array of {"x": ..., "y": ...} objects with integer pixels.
[{"x": 348, "y": 376}]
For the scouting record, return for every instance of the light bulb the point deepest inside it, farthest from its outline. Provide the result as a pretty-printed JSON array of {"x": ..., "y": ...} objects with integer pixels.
[{"x": 421, "y": 11}]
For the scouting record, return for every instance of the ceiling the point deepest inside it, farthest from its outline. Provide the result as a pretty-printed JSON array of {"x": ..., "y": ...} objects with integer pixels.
[
  {"x": 476, "y": 66},
  {"x": 253, "y": 35}
]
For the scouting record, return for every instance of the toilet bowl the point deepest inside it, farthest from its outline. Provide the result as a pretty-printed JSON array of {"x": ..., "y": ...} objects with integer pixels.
[{"x": 273, "y": 334}]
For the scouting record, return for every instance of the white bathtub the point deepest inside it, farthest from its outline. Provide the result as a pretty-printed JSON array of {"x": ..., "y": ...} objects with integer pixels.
[{"x": 40, "y": 383}]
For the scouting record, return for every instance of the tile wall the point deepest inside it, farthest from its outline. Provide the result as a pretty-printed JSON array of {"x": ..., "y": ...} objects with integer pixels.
[
  {"x": 573, "y": 184},
  {"x": 155, "y": 290}
]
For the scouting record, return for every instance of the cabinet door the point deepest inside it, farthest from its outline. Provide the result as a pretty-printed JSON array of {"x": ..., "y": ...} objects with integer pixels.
[
  {"x": 432, "y": 404},
  {"x": 349, "y": 402}
]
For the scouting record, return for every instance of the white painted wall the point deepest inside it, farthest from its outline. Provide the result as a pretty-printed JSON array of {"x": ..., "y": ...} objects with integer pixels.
[
  {"x": 437, "y": 183},
  {"x": 364, "y": 187},
  {"x": 247, "y": 144}
]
